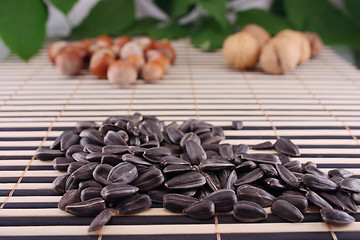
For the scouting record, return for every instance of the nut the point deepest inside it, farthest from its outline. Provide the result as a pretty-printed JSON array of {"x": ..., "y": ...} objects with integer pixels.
[
  {"x": 137, "y": 61},
  {"x": 121, "y": 41},
  {"x": 131, "y": 49},
  {"x": 241, "y": 50},
  {"x": 104, "y": 41},
  {"x": 122, "y": 73},
  {"x": 100, "y": 62},
  {"x": 279, "y": 56},
  {"x": 166, "y": 49},
  {"x": 79, "y": 50},
  {"x": 259, "y": 33},
  {"x": 152, "y": 71},
  {"x": 69, "y": 63},
  {"x": 155, "y": 55},
  {"x": 300, "y": 39},
  {"x": 316, "y": 44},
  {"x": 55, "y": 49}
]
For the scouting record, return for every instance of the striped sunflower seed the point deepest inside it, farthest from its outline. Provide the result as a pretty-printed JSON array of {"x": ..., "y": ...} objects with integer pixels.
[
  {"x": 117, "y": 191},
  {"x": 70, "y": 197},
  {"x": 100, "y": 220},
  {"x": 194, "y": 151},
  {"x": 186, "y": 181},
  {"x": 226, "y": 151},
  {"x": 315, "y": 199},
  {"x": 87, "y": 208},
  {"x": 90, "y": 193},
  {"x": 177, "y": 202},
  {"x": 287, "y": 211},
  {"x": 255, "y": 194},
  {"x": 262, "y": 158},
  {"x": 45, "y": 154},
  {"x": 318, "y": 183},
  {"x": 340, "y": 173},
  {"x": 155, "y": 154},
  {"x": 149, "y": 180},
  {"x": 287, "y": 147},
  {"x": 58, "y": 185},
  {"x": 200, "y": 210},
  {"x": 134, "y": 204},
  {"x": 85, "y": 172},
  {"x": 124, "y": 172},
  {"x": 101, "y": 173},
  {"x": 250, "y": 177},
  {"x": 246, "y": 211},
  {"x": 62, "y": 163},
  {"x": 333, "y": 216},
  {"x": 263, "y": 146},
  {"x": 287, "y": 176},
  {"x": 351, "y": 184},
  {"x": 223, "y": 199},
  {"x": 297, "y": 200}
]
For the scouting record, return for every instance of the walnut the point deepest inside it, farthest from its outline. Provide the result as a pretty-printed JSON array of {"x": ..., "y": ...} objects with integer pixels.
[
  {"x": 316, "y": 44},
  {"x": 241, "y": 50},
  {"x": 261, "y": 35},
  {"x": 280, "y": 56}
]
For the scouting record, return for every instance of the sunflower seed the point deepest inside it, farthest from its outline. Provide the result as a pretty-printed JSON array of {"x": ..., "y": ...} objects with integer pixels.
[
  {"x": 70, "y": 197},
  {"x": 87, "y": 208},
  {"x": 315, "y": 171},
  {"x": 45, "y": 154},
  {"x": 237, "y": 125},
  {"x": 93, "y": 136},
  {"x": 89, "y": 183},
  {"x": 255, "y": 194},
  {"x": 104, "y": 128},
  {"x": 200, "y": 210},
  {"x": 268, "y": 170},
  {"x": 135, "y": 160},
  {"x": 297, "y": 200},
  {"x": 155, "y": 154},
  {"x": 315, "y": 199},
  {"x": 80, "y": 157},
  {"x": 177, "y": 202},
  {"x": 240, "y": 149},
  {"x": 340, "y": 173},
  {"x": 287, "y": 147},
  {"x": 124, "y": 172},
  {"x": 110, "y": 159},
  {"x": 62, "y": 163},
  {"x": 177, "y": 169},
  {"x": 212, "y": 180},
  {"x": 68, "y": 139},
  {"x": 189, "y": 136},
  {"x": 117, "y": 191},
  {"x": 113, "y": 138},
  {"x": 115, "y": 149},
  {"x": 85, "y": 124},
  {"x": 226, "y": 151},
  {"x": 101, "y": 173},
  {"x": 58, "y": 185},
  {"x": 214, "y": 164},
  {"x": 333, "y": 216},
  {"x": 149, "y": 180},
  {"x": 318, "y": 183},
  {"x": 348, "y": 203},
  {"x": 356, "y": 198},
  {"x": 250, "y": 177},
  {"x": 223, "y": 199},
  {"x": 217, "y": 131},
  {"x": 194, "y": 151},
  {"x": 90, "y": 193},
  {"x": 287, "y": 211},
  {"x": 337, "y": 180},
  {"x": 73, "y": 149},
  {"x": 263, "y": 146},
  {"x": 287, "y": 176},
  {"x": 56, "y": 143},
  {"x": 171, "y": 160},
  {"x": 94, "y": 156},
  {"x": 134, "y": 204},
  {"x": 262, "y": 158},
  {"x": 71, "y": 183},
  {"x": 100, "y": 220},
  {"x": 186, "y": 181},
  {"x": 245, "y": 167},
  {"x": 175, "y": 135},
  {"x": 157, "y": 196},
  {"x": 84, "y": 172},
  {"x": 275, "y": 184},
  {"x": 334, "y": 200},
  {"x": 246, "y": 211},
  {"x": 293, "y": 166},
  {"x": 351, "y": 184},
  {"x": 74, "y": 166},
  {"x": 231, "y": 180},
  {"x": 186, "y": 125}
]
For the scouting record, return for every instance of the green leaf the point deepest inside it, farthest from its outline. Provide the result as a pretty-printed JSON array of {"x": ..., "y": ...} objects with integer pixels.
[
  {"x": 170, "y": 32},
  {"x": 176, "y": 9},
  {"x": 140, "y": 27},
  {"x": 267, "y": 20},
  {"x": 216, "y": 9},
  {"x": 107, "y": 17},
  {"x": 353, "y": 6},
  {"x": 210, "y": 37},
  {"x": 22, "y": 26},
  {"x": 64, "y": 5},
  {"x": 277, "y": 7},
  {"x": 322, "y": 17}
]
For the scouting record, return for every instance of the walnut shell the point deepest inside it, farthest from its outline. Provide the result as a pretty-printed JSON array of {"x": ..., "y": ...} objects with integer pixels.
[
  {"x": 261, "y": 35},
  {"x": 241, "y": 50},
  {"x": 300, "y": 39},
  {"x": 316, "y": 43},
  {"x": 279, "y": 56}
]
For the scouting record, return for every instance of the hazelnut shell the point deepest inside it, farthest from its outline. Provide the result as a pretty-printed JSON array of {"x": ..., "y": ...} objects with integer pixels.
[
  {"x": 316, "y": 43},
  {"x": 259, "y": 33},
  {"x": 69, "y": 63},
  {"x": 99, "y": 63},
  {"x": 122, "y": 73},
  {"x": 166, "y": 49},
  {"x": 152, "y": 71}
]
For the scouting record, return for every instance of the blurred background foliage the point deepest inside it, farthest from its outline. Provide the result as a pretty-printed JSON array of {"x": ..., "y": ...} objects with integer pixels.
[{"x": 206, "y": 22}]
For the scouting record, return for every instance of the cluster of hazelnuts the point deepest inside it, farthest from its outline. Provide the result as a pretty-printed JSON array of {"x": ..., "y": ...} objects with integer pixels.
[
  {"x": 121, "y": 60},
  {"x": 277, "y": 55}
]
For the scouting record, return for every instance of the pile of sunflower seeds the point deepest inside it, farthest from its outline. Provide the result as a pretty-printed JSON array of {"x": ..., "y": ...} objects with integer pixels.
[{"x": 129, "y": 162}]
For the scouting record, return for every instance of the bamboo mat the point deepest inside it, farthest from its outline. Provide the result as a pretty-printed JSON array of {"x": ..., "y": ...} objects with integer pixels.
[{"x": 317, "y": 106}]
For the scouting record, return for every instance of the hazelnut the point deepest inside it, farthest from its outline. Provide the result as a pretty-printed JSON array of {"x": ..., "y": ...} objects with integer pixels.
[
  {"x": 104, "y": 41},
  {"x": 55, "y": 49},
  {"x": 100, "y": 61},
  {"x": 316, "y": 44},
  {"x": 69, "y": 63},
  {"x": 166, "y": 49},
  {"x": 152, "y": 71},
  {"x": 241, "y": 50},
  {"x": 81, "y": 51},
  {"x": 121, "y": 41},
  {"x": 136, "y": 61},
  {"x": 130, "y": 49},
  {"x": 279, "y": 56},
  {"x": 259, "y": 33},
  {"x": 300, "y": 39},
  {"x": 121, "y": 73},
  {"x": 146, "y": 43},
  {"x": 155, "y": 55}
]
